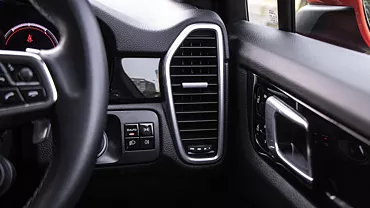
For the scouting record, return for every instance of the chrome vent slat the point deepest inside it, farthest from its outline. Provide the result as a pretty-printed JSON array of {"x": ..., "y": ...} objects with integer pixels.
[
  {"x": 194, "y": 121},
  {"x": 200, "y": 38},
  {"x": 197, "y": 59},
  {"x": 194, "y": 75},
  {"x": 200, "y": 139},
  {"x": 194, "y": 66},
  {"x": 191, "y": 57},
  {"x": 192, "y": 130},
  {"x": 200, "y": 93},
  {"x": 179, "y": 85},
  {"x": 198, "y": 47},
  {"x": 192, "y": 112}
]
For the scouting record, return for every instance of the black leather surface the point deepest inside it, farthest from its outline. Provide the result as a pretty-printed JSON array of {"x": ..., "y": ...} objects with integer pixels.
[
  {"x": 332, "y": 79},
  {"x": 151, "y": 26},
  {"x": 78, "y": 67}
]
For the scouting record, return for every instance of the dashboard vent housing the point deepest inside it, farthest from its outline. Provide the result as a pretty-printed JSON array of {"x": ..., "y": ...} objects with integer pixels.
[{"x": 194, "y": 85}]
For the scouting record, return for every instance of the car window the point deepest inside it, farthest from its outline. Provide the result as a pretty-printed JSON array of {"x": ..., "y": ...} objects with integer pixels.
[
  {"x": 265, "y": 12},
  {"x": 343, "y": 23}
]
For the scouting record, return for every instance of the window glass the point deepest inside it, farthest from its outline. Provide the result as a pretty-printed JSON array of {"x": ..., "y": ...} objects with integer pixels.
[
  {"x": 265, "y": 12},
  {"x": 344, "y": 23}
]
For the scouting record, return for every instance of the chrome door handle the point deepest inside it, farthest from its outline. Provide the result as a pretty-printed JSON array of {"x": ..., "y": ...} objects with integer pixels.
[{"x": 298, "y": 162}]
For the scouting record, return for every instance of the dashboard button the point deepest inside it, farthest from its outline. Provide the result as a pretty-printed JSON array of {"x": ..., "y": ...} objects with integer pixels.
[
  {"x": 10, "y": 97},
  {"x": 146, "y": 129},
  {"x": 197, "y": 149},
  {"x": 132, "y": 144},
  {"x": 131, "y": 130},
  {"x": 32, "y": 95},
  {"x": 146, "y": 143},
  {"x": 260, "y": 126}
]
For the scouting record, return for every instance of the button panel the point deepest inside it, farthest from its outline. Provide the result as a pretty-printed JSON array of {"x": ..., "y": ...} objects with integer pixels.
[
  {"x": 196, "y": 149},
  {"x": 20, "y": 84},
  {"x": 139, "y": 136},
  {"x": 260, "y": 97},
  {"x": 22, "y": 74},
  {"x": 120, "y": 152}
]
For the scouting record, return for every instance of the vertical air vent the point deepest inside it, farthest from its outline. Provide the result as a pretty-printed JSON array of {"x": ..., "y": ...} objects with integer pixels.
[{"x": 194, "y": 75}]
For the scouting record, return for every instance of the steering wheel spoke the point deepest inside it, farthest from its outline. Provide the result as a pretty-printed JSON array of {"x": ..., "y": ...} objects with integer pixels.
[
  {"x": 75, "y": 91},
  {"x": 27, "y": 90}
]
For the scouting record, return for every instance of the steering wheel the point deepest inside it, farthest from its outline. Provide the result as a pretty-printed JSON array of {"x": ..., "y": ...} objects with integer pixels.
[{"x": 73, "y": 83}]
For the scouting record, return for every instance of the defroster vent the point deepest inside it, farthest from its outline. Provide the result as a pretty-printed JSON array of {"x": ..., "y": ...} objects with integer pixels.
[{"x": 194, "y": 76}]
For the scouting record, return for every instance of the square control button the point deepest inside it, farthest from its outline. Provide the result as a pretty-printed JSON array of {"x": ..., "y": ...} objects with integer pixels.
[
  {"x": 34, "y": 94},
  {"x": 146, "y": 143},
  {"x": 132, "y": 144},
  {"x": 131, "y": 130},
  {"x": 146, "y": 129},
  {"x": 10, "y": 97}
]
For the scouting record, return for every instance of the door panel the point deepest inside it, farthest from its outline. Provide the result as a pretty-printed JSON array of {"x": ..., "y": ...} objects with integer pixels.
[{"x": 330, "y": 81}]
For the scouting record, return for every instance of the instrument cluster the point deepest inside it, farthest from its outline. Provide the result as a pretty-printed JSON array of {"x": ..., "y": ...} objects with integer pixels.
[{"x": 22, "y": 27}]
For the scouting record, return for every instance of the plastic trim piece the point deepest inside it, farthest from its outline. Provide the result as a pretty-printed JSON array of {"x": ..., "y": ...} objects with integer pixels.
[
  {"x": 168, "y": 90},
  {"x": 273, "y": 106},
  {"x": 105, "y": 145}
]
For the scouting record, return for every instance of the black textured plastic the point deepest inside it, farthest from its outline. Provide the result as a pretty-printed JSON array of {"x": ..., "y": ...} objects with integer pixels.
[{"x": 154, "y": 30}]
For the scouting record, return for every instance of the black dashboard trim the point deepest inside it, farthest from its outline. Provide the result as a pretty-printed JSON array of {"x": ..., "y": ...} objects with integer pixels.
[{"x": 145, "y": 31}]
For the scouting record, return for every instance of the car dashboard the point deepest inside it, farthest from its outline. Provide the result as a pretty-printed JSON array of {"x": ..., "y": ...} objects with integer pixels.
[
  {"x": 167, "y": 79},
  {"x": 167, "y": 87},
  {"x": 170, "y": 125}
]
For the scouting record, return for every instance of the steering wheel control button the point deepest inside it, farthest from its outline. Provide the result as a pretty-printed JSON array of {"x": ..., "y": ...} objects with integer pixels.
[
  {"x": 131, "y": 130},
  {"x": 22, "y": 74},
  {"x": 3, "y": 80},
  {"x": 146, "y": 143},
  {"x": 146, "y": 129},
  {"x": 34, "y": 94},
  {"x": 10, "y": 97},
  {"x": 132, "y": 144},
  {"x": 25, "y": 74}
]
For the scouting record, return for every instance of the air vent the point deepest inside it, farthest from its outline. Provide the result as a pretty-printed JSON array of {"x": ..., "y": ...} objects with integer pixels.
[{"x": 194, "y": 75}]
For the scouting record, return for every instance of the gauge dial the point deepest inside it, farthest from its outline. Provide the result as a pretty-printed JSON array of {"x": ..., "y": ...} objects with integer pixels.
[{"x": 29, "y": 35}]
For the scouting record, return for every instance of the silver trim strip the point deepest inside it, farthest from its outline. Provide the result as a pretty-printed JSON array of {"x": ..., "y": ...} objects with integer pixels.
[
  {"x": 327, "y": 118},
  {"x": 194, "y": 84},
  {"x": 105, "y": 145},
  {"x": 169, "y": 97},
  {"x": 339, "y": 125},
  {"x": 273, "y": 106},
  {"x": 34, "y": 60}
]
